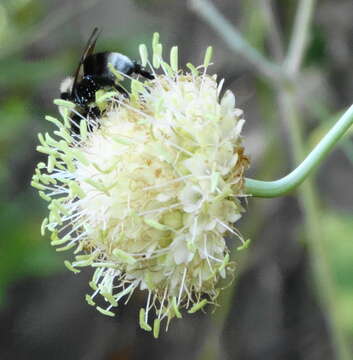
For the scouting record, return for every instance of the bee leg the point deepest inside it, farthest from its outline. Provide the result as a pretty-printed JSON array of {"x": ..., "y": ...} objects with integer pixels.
[
  {"x": 138, "y": 69},
  {"x": 121, "y": 90},
  {"x": 90, "y": 114},
  {"x": 104, "y": 81},
  {"x": 93, "y": 113},
  {"x": 75, "y": 122}
]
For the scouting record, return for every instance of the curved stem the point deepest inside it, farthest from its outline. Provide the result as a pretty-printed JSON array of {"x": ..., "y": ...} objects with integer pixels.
[{"x": 297, "y": 176}]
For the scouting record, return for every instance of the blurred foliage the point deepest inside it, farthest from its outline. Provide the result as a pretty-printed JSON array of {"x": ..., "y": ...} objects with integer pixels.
[
  {"x": 316, "y": 53},
  {"x": 22, "y": 251},
  {"x": 338, "y": 230},
  {"x": 16, "y": 17}
]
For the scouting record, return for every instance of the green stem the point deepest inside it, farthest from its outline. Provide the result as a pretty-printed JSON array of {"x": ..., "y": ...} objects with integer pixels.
[
  {"x": 274, "y": 37},
  {"x": 300, "y": 36},
  {"x": 297, "y": 176}
]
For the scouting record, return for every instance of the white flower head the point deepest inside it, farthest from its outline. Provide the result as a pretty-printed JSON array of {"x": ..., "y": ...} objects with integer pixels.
[{"x": 146, "y": 193}]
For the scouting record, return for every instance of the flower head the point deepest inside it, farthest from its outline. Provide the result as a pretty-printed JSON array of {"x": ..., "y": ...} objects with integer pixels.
[{"x": 146, "y": 193}]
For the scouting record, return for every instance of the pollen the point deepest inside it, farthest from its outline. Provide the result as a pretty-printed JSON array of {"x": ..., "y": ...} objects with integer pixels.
[{"x": 147, "y": 194}]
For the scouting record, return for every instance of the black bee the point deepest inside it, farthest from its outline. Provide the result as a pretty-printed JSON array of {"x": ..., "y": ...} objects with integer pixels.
[{"x": 93, "y": 74}]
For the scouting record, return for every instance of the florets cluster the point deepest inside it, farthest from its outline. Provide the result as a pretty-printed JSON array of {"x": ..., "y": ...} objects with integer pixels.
[{"x": 147, "y": 192}]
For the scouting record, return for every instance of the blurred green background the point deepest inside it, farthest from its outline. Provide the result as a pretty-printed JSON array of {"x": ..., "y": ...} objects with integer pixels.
[{"x": 274, "y": 309}]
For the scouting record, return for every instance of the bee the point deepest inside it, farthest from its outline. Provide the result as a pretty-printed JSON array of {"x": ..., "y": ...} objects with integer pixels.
[{"x": 92, "y": 74}]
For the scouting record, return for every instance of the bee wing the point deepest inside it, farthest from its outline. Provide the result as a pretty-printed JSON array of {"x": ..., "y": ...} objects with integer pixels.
[{"x": 91, "y": 43}]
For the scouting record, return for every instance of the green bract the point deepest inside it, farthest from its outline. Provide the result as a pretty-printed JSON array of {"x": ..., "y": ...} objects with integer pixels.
[{"x": 147, "y": 196}]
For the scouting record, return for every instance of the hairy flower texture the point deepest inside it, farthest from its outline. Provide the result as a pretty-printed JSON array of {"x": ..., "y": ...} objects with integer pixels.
[{"x": 147, "y": 192}]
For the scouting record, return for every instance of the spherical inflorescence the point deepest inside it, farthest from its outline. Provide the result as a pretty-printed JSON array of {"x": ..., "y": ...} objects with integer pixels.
[{"x": 147, "y": 192}]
